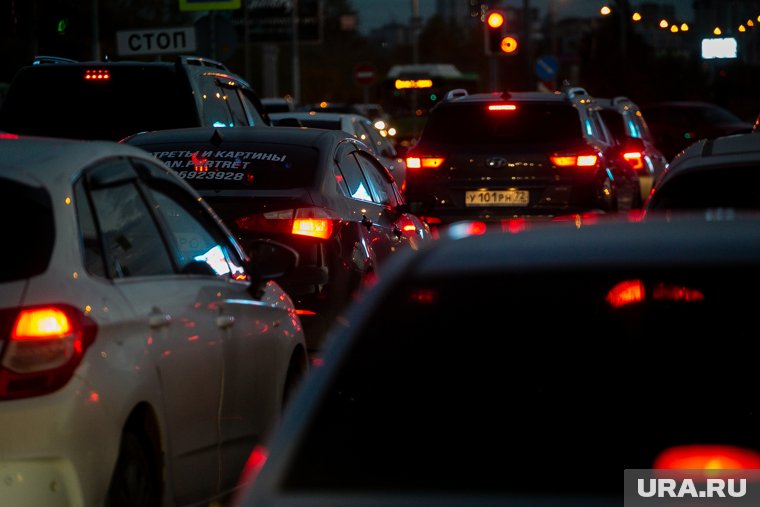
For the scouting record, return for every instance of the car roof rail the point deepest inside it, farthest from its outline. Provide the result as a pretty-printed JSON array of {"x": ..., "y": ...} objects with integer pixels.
[
  {"x": 573, "y": 91},
  {"x": 456, "y": 93},
  {"x": 40, "y": 60},
  {"x": 621, "y": 100},
  {"x": 201, "y": 62}
]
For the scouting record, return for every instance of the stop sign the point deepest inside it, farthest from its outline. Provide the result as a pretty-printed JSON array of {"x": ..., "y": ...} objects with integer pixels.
[{"x": 364, "y": 74}]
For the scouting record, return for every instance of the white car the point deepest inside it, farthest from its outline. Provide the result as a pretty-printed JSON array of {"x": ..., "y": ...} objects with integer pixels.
[
  {"x": 140, "y": 356},
  {"x": 359, "y": 126}
]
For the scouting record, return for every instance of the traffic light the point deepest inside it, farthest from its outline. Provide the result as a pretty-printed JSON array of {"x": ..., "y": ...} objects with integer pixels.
[
  {"x": 497, "y": 40},
  {"x": 496, "y": 29}
]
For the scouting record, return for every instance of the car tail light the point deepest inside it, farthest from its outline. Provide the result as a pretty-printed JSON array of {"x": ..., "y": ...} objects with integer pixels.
[
  {"x": 635, "y": 159},
  {"x": 580, "y": 160},
  {"x": 5, "y": 135},
  {"x": 708, "y": 457},
  {"x": 424, "y": 162},
  {"x": 312, "y": 222},
  {"x": 634, "y": 291},
  {"x": 43, "y": 347}
]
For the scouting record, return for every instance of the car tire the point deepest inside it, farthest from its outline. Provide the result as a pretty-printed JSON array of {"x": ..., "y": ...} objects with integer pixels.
[{"x": 135, "y": 479}]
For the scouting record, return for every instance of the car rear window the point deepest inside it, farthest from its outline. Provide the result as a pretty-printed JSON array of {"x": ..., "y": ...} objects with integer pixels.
[
  {"x": 710, "y": 188},
  {"x": 28, "y": 229},
  {"x": 533, "y": 383},
  {"x": 534, "y": 123},
  {"x": 240, "y": 166},
  {"x": 57, "y": 100}
]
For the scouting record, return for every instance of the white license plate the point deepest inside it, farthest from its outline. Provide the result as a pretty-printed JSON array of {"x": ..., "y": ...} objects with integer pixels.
[{"x": 496, "y": 198}]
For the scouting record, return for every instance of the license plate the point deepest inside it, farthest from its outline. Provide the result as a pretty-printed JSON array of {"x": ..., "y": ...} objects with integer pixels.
[{"x": 496, "y": 198}]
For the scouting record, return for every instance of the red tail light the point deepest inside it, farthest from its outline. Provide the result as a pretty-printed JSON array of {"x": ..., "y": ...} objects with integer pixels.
[
  {"x": 424, "y": 162},
  {"x": 626, "y": 292},
  {"x": 580, "y": 160},
  {"x": 708, "y": 457},
  {"x": 44, "y": 347},
  {"x": 311, "y": 222},
  {"x": 635, "y": 159}
]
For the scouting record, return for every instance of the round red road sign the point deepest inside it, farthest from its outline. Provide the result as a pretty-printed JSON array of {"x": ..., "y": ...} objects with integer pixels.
[{"x": 364, "y": 74}]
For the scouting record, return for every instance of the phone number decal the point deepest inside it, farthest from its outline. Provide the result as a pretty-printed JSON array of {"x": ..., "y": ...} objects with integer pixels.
[{"x": 212, "y": 175}]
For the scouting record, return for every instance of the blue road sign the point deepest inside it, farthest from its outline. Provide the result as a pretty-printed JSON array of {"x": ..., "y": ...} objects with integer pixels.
[{"x": 547, "y": 67}]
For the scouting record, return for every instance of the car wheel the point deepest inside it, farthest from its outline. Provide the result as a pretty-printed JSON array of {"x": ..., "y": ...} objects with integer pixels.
[{"x": 135, "y": 479}]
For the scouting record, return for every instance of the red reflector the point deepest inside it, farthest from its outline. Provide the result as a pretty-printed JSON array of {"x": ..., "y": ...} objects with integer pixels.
[
  {"x": 305, "y": 312},
  {"x": 476, "y": 228},
  {"x": 5, "y": 135},
  {"x": 626, "y": 292},
  {"x": 502, "y": 107},
  {"x": 708, "y": 457}
]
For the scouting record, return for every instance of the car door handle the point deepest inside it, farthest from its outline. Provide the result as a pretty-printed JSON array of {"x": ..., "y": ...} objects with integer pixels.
[
  {"x": 225, "y": 321},
  {"x": 366, "y": 222},
  {"x": 159, "y": 319}
]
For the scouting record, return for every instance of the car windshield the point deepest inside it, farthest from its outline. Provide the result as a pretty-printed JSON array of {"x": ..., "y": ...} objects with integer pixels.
[
  {"x": 56, "y": 101},
  {"x": 239, "y": 166},
  {"x": 529, "y": 123},
  {"x": 29, "y": 230},
  {"x": 486, "y": 389}
]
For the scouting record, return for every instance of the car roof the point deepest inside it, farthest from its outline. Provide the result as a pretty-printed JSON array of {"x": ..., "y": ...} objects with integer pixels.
[
  {"x": 707, "y": 152},
  {"x": 284, "y": 135},
  {"x": 318, "y": 115},
  {"x": 30, "y": 158},
  {"x": 511, "y": 96},
  {"x": 613, "y": 244}
]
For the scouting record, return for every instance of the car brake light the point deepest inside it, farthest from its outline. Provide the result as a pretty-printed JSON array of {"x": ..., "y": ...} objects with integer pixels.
[
  {"x": 44, "y": 347},
  {"x": 5, "y": 135},
  {"x": 707, "y": 457},
  {"x": 626, "y": 292},
  {"x": 502, "y": 107},
  {"x": 97, "y": 75},
  {"x": 424, "y": 162},
  {"x": 574, "y": 160},
  {"x": 635, "y": 159},
  {"x": 311, "y": 222}
]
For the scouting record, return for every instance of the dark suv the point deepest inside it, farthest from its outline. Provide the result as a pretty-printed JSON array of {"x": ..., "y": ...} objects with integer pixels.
[
  {"x": 498, "y": 155},
  {"x": 110, "y": 100}
]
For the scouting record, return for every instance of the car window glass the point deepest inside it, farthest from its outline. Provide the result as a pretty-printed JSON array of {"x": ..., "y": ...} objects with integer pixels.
[
  {"x": 29, "y": 229},
  {"x": 238, "y": 166},
  {"x": 93, "y": 259},
  {"x": 614, "y": 122},
  {"x": 540, "y": 123},
  {"x": 400, "y": 387},
  {"x": 247, "y": 97},
  {"x": 237, "y": 110},
  {"x": 133, "y": 243},
  {"x": 194, "y": 243},
  {"x": 215, "y": 110},
  {"x": 358, "y": 188},
  {"x": 380, "y": 188}
]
